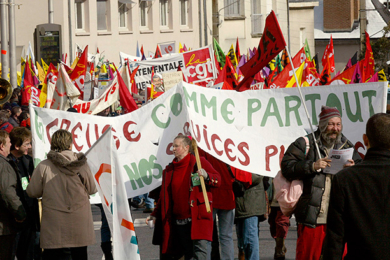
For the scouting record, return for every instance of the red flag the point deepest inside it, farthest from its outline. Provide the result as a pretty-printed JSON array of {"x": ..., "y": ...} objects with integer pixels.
[
  {"x": 271, "y": 43},
  {"x": 282, "y": 78},
  {"x": 310, "y": 76},
  {"x": 325, "y": 74},
  {"x": 227, "y": 75},
  {"x": 369, "y": 64},
  {"x": 238, "y": 54},
  {"x": 97, "y": 51},
  {"x": 158, "y": 52},
  {"x": 29, "y": 91},
  {"x": 68, "y": 69},
  {"x": 134, "y": 88},
  {"x": 345, "y": 77},
  {"x": 142, "y": 50},
  {"x": 78, "y": 74},
  {"x": 27, "y": 83},
  {"x": 125, "y": 98},
  {"x": 222, "y": 78},
  {"x": 329, "y": 52}
]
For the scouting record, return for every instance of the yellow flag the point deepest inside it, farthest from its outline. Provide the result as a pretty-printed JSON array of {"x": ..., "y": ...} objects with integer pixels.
[
  {"x": 41, "y": 73},
  {"x": 272, "y": 64},
  {"x": 299, "y": 73},
  {"x": 45, "y": 66},
  {"x": 74, "y": 63},
  {"x": 232, "y": 56},
  {"x": 103, "y": 69},
  {"x": 43, "y": 95},
  {"x": 19, "y": 77},
  {"x": 181, "y": 50},
  {"x": 22, "y": 64},
  {"x": 382, "y": 75},
  {"x": 112, "y": 67}
]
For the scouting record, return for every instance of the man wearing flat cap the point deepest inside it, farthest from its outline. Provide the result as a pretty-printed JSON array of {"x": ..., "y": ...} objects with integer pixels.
[{"x": 312, "y": 208}]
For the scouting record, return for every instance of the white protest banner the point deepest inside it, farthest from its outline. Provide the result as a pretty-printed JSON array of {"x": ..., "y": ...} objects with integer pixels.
[
  {"x": 109, "y": 97},
  {"x": 170, "y": 79},
  {"x": 198, "y": 66},
  {"x": 249, "y": 130}
]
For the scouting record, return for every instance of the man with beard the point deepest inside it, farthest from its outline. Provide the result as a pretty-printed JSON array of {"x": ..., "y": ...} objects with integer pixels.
[{"x": 312, "y": 208}]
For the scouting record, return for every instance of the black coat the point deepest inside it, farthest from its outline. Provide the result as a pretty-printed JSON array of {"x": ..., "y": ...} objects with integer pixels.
[
  {"x": 296, "y": 166},
  {"x": 359, "y": 210},
  {"x": 11, "y": 205},
  {"x": 25, "y": 168}
]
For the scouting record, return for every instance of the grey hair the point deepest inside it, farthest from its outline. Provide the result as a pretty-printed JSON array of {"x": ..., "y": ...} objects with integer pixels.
[
  {"x": 322, "y": 126},
  {"x": 4, "y": 116}
]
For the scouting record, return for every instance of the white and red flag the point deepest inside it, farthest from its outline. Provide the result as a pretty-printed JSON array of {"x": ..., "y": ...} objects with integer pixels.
[{"x": 102, "y": 160}]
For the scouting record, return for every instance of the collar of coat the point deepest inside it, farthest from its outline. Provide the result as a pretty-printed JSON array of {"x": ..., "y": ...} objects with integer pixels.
[{"x": 64, "y": 159}]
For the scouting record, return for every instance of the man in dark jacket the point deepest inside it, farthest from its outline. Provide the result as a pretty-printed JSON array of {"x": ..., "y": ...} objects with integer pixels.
[
  {"x": 312, "y": 208},
  {"x": 20, "y": 144},
  {"x": 12, "y": 212},
  {"x": 359, "y": 208},
  {"x": 251, "y": 206}
]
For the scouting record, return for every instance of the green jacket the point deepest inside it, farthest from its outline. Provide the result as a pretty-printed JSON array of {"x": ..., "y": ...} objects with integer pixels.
[{"x": 252, "y": 202}]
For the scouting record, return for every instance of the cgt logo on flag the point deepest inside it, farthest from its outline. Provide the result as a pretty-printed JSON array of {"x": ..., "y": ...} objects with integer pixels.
[{"x": 104, "y": 168}]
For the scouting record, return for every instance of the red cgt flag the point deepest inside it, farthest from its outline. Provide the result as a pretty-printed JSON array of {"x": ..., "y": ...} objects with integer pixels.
[
  {"x": 368, "y": 64},
  {"x": 329, "y": 52},
  {"x": 271, "y": 43}
]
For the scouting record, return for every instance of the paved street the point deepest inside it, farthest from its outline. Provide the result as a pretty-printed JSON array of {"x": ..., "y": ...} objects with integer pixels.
[{"x": 149, "y": 251}]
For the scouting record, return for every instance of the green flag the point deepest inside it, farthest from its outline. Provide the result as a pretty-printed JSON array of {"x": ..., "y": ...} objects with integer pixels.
[
  {"x": 219, "y": 53},
  {"x": 278, "y": 64},
  {"x": 307, "y": 50}
]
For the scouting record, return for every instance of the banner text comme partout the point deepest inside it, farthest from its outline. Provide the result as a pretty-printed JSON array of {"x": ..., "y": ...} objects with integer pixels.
[{"x": 248, "y": 130}]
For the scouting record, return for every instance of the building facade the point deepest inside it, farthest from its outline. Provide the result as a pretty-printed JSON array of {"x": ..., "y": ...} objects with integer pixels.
[{"x": 118, "y": 25}]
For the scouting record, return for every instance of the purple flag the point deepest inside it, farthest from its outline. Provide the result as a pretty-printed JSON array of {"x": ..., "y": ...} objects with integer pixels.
[
  {"x": 374, "y": 78},
  {"x": 357, "y": 76}
]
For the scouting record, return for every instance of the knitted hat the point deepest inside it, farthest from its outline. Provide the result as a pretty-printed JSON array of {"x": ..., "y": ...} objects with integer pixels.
[{"x": 328, "y": 112}]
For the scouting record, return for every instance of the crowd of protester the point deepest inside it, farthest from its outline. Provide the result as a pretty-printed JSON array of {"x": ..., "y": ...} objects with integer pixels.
[{"x": 178, "y": 211}]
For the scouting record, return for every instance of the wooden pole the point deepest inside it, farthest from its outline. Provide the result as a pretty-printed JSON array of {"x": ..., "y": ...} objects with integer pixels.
[{"x": 206, "y": 199}]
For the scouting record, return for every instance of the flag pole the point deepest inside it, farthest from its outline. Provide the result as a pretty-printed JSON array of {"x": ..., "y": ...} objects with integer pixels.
[{"x": 304, "y": 104}]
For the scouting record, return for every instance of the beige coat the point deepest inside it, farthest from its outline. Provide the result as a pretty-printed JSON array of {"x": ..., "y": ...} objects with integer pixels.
[{"x": 64, "y": 181}]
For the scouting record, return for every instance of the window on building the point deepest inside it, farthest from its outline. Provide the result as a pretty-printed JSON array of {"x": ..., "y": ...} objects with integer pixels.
[
  {"x": 234, "y": 8},
  {"x": 302, "y": 36},
  {"x": 184, "y": 12},
  {"x": 164, "y": 13},
  {"x": 102, "y": 15},
  {"x": 79, "y": 7},
  {"x": 145, "y": 13},
  {"x": 124, "y": 14},
  {"x": 256, "y": 18}
]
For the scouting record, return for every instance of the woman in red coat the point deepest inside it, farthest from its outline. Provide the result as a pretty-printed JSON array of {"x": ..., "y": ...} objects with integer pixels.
[{"x": 182, "y": 222}]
